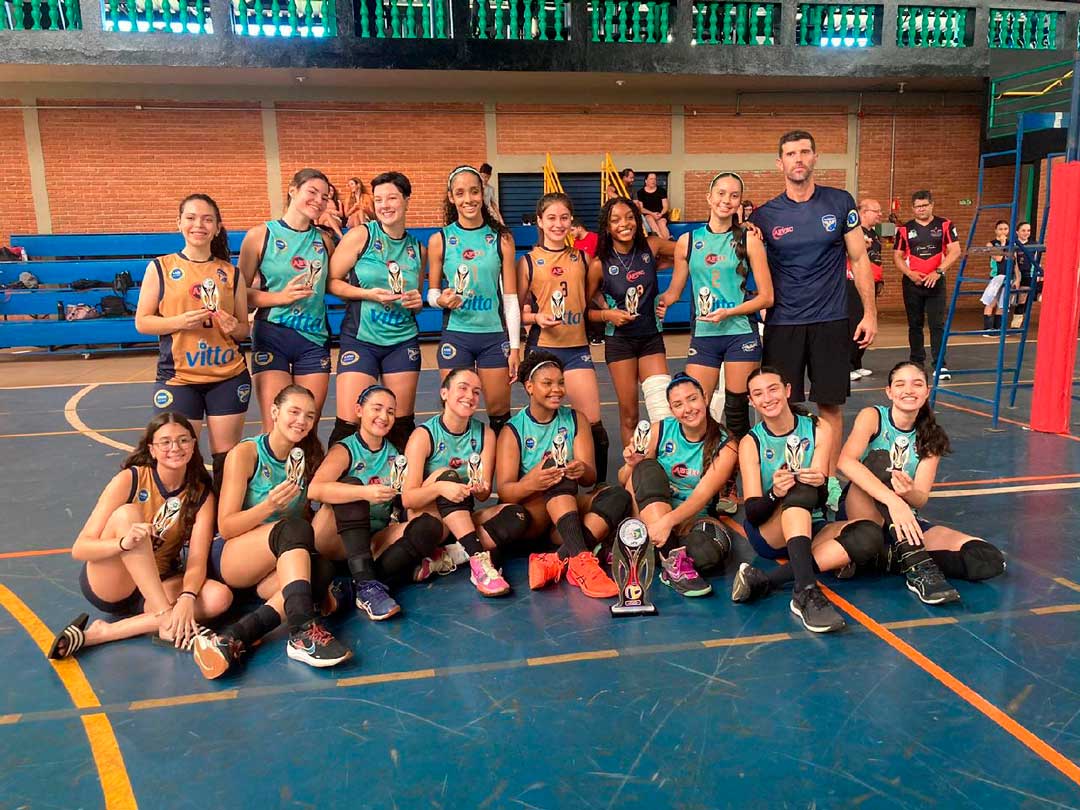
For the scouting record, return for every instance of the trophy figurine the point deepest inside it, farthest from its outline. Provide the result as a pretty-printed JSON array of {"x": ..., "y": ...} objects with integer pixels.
[
  {"x": 558, "y": 305},
  {"x": 313, "y": 273},
  {"x": 704, "y": 302},
  {"x": 476, "y": 471},
  {"x": 633, "y": 296},
  {"x": 208, "y": 291},
  {"x": 461, "y": 279},
  {"x": 397, "y": 472},
  {"x": 394, "y": 278},
  {"x": 795, "y": 452},
  {"x": 165, "y": 518},
  {"x": 633, "y": 564},
  {"x": 901, "y": 450},
  {"x": 559, "y": 452},
  {"x": 294, "y": 466},
  {"x": 640, "y": 440}
]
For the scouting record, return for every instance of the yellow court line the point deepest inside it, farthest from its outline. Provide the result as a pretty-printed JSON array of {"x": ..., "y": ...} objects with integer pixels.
[
  {"x": 115, "y": 784},
  {"x": 1045, "y": 611},
  {"x": 963, "y": 493},
  {"x": 387, "y": 677},
  {"x": 71, "y": 413},
  {"x": 8, "y": 719},
  {"x": 1068, "y": 583},
  {"x": 593, "y": 655},
  {"x": 769, "y": 638},
  {"x": 182, "y": 700}
]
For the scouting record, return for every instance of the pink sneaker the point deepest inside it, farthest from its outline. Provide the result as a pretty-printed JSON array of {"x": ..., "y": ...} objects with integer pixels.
[
  {"x": 485, "y": 577},
  {"x": 440, "y": 563}
]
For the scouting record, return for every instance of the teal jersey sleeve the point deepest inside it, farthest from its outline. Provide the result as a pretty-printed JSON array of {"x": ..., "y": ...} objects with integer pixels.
[
  {"x": 714, "y": 269},
  {"x": 286, "y": 255}
]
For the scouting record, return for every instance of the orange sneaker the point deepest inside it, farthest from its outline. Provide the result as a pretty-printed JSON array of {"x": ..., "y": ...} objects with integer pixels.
[
  {"x": 585, "y": 572},
  {"x": 545, "y": 568}
]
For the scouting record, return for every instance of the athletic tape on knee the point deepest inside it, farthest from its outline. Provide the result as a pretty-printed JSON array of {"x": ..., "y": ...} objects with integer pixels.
[
  {"x": 322, "y": 574},
  {"x": 802, "y": 496},
  {"x": 508, "y": 525},
  {"x": 654, "y": 392},
  {"x": 650, "y": 483},
  {"x": 708, "y": 544},
  {"x": 716, "y": 404},
  {"x": 600, "y": 449},
  {"x": 612, "y": 504},
  {"x": 737, "y": 412},
  {"x": 291, "y": 533},
  {"x": 862, "y": 540},
  {"x": 445, "y": 505}
]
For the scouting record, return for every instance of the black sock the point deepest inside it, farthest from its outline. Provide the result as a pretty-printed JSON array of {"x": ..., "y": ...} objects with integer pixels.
[
  {"x": 780, "y": 576},
  {"x": 217, "y": 463},
  {"x": 910, "y": 556},
  {"x": 342, "y": 430},
  {"x": 997, "y": 321},
  {"x": 572, "y": 533},
  {"x": 801, "y": 561},
  {"x": 323, "y": 572},
  {"x": 988, "y": 322},
  {"x": 401, "y": 431},
  {"x": 250, "y": 628},
  {"x": 299, "y": 609},
  {"x": 600, "y": 449},
  {"x": 471, "y": 542}
]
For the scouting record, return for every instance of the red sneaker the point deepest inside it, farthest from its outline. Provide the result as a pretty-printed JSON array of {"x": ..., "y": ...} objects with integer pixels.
[
  {"x": 585, "y": 572},
  {"x": 544, "y": 569}
]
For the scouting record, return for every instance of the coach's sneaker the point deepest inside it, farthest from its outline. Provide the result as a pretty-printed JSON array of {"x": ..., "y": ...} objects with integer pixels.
[
  {"x": 441, "y": 563},
  {"x": 373, "y": 598},
  {"x": 583, "y": 571},
  {"x": 750, "y": 584},
  {"x": 214, "y": 655},
  {"x": 926, "y": 581},
  {"x": 487, "y": 579},
  {"x": 863, "y": 372},
  {"x": 313, "y": 645},
  {"x": 678, "y": 573},
  {"x": 817, "y": 613},
  {"x": 544, "y": 569}
]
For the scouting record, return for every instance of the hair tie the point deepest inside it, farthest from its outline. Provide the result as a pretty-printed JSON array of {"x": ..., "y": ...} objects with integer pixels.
[
  {"x": 718, "y": 175},
  {"x": 374, "y": 388},
  {"x": 679, "y": 379}
]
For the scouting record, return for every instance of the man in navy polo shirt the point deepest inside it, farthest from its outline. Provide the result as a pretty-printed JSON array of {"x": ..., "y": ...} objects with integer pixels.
[{"x": 811, "y": 232}]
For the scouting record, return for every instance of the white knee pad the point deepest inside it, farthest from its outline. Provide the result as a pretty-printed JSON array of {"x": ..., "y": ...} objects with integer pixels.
[
  {"x": 654, "y": 389},
  {"x": 716, "y": 404}
]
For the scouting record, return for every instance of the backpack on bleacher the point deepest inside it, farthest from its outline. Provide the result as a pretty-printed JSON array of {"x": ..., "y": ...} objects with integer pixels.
[{"x": 114, "y": 306}]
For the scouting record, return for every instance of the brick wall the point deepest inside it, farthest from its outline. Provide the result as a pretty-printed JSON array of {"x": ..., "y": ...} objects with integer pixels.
[
  {"x": 17, "y": 202},
  {"x": 569, "y": 129},
  {"x": 754, "y": 128}
]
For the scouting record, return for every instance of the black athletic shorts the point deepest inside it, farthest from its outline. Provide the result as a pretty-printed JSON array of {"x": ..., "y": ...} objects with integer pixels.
[
  {"x": 817, "y": 350},
  {"x": 617, "y": 347}
]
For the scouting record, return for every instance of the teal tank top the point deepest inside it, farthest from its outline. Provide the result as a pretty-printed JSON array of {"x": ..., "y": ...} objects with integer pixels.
[
  {"x": 535, "y": 438},
  {"x": 269, "y": 472},
  {"x": 713, "y": 265},
  {"x": 472, "y": 266},
  {"x": 681, "y": 460},
  {"x": 774, "y": 452},
  {"x": 899, "y": 444},
  {"x": 371, "y": 467},
  {"x": 287, "y": 254},
  {"x": 383, "y": 256},
  {"x": 452, "y": 449}
]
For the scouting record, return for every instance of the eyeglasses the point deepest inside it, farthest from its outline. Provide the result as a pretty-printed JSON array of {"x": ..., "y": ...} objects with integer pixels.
[{"x": 182, "y": 443}]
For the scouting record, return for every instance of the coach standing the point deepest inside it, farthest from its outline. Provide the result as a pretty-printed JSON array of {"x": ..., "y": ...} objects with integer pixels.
[{"x": 811, "y": 233}]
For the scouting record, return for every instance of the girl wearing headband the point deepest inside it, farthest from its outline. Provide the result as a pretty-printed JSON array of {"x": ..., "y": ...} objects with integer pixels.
[
  {"x": 674, "y": 480},
  {"x": 543, "y": 457},
  {"x": 471, "y": 279},
  {"x": 376, "y": 270}
]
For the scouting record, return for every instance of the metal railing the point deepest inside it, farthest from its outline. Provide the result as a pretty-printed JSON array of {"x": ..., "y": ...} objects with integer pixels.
[
  {"x": 1045, "y": 89},
  {"x": 157, "y": 16},
  {"x": 523, "y": 20},
  {"x": 40, "y": 15},
  {"x": 637, "y": 21},
  {"x": 1023, "y": 29},
  {"x": 934, "y": 27},
  {"x": 838, "y": 25},
  {"x": 284, "y": 18},
  {"x": 716, "y": 23}
]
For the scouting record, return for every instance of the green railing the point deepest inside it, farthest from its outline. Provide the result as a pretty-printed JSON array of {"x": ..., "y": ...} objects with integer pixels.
[
  {"x": 1023, "y": 29},
  {"x": 403, "y": 19},
  {"x": 838, "y": 25},
  {"x": 631, "y": 21},
  {"x": 526, "y": 20},
  {"x": 1044, "y": 89},
  {"x": 40, "y": 15},
  {"x": 735, "y": 23},
  {"x": 154, "y": 16},
  {"x": 934, "y": 27},
  {"x": 285, "y": 18}
]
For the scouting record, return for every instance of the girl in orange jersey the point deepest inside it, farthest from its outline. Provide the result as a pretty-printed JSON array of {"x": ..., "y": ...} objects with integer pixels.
[
  {"x": 195, "y": 301},
  {"x": 557, "y": 291},
  {"x": 131, "y": 545}
]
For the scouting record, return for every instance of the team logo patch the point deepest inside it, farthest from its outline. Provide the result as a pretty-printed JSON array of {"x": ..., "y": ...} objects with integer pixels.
[
  {"x": 540, "y": 262},
  {"x": 448, "y": 351},
  {"x": 573, "y": 256},
  {"x": 266, "y": 472},
  {"x": 530, "y": 442},
  {"x": 752, "y": 346},
  {"x": 176, "y": 273},
  {"x": 414, "y": 354},
  {"x": 143, "y": 496},
  {"x": 828, "y": 222},
  {"x": 489, "y": 239},
  {"x": 317, "y": 246},
  {"x": 348, "y": 358},
  {"x": 243, "y": 393},
  {"x": 557, "y": 271},
  {"x": 377, "y": 245},
  {"x": 456, "y": 462},
  {"x": 222, "y": 278},
  {"x": 163, "y": 398},
  {"x": 711, "y": 259},
  {"x": 468, "y": 255},
  {"x": 680, "y": 471},
  {"x": 613, "y": 270},
  {"x": 506, "y": 353},
  {"x": 634, "y": 275},
  {"x": 410, "y": 251},
  {"x": 299, "y": 263},
  {"x": 452, "y": 241},
  {"x": 698, "y": 245},
  {"x": 782, "y": 230},
  {"x": 769, "y": 454},
  {"x": 586, "y": 358},
  {"x": 441, "y": 448},
  {"x": 646, "y": 258},
  {"x": 669, "y": 448},
  {"x": 281, "y": 244},
  {"x": 852, "y": 218},
  {"x": 263, "y": 358},
  {"x": 324, "y": 362},
  {"x": 691, "y": 352}
]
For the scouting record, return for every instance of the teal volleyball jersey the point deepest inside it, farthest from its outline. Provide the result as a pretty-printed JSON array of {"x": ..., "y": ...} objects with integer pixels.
[
  {"x": 681, "y": 459},
  {"x": 536, "y": 438},
  {"x": 899, "y": 444},
  {"x": 450, "y": 449},
  {"x": 286, "y": 255},
  {"x": 714, "y": 266},
  {"x": 472, "y": 267},
  {"x": 371, "y": 467},
  {"x": 389, "y": 264},
  {"x": 794, "y": 450},
  {"x": 269, "y": 473}
]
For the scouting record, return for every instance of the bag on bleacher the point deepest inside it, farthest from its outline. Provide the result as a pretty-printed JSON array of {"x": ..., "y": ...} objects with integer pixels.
[
  {"x": 88, "y": 284},
  {"x": 122, "y": 282},
  {"x": 80, "y": 312},
  {"x": 114, "y": 306}
]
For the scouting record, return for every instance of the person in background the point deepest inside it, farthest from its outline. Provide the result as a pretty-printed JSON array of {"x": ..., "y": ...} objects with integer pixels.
[
  {"x": 584, "y": 239},
  {"x": 332, "y": 217},
  {"x": 655, "y": 205},
  {"x": 869, "y": 219},
  {"x": 1023, "y": 265},
  {"x": 490, "y": 193}
]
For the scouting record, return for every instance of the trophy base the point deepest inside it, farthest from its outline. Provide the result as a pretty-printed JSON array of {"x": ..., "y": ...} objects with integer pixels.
[{"x": 633, "y": 610}]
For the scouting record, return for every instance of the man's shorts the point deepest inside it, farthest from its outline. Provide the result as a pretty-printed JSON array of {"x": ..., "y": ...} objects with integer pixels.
[
  {"x": 817, "y": 350},
  {"x": 278, "y": 348}
]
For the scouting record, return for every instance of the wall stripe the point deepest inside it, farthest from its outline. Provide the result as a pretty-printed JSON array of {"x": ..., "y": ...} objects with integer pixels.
[{"x": 35, "y": 159}]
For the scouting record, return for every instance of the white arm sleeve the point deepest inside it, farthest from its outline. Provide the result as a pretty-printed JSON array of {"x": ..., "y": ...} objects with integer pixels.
[
  {"x": 433, "y": 297},
  {"x": 512, "y": 311}
]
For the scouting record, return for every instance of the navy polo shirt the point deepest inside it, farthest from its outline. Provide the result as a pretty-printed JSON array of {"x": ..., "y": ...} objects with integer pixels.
[{"x": 807, "y": 255}]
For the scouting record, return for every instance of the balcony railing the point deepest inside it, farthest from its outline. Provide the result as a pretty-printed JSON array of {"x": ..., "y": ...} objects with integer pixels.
[
  {"x": 831, "y": 25},
  {"x": 157, "y": 16},
  {"x": 934, "y": 27},
  {"x": 403, "y": 19},
  {"x": 528, "y": 20},
  {"x": 735, "y": 23},
  {"x": 291, "y": 18},
  {"x": 631, "y": 21},
  {"x": 40, "y": 15},
  {"x": 1023, "y": 29}
]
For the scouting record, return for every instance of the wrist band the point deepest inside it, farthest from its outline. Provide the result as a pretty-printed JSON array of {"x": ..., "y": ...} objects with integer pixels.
[
  {"x": 121, "y": 544},
  {"x": 192, "y": 594}
]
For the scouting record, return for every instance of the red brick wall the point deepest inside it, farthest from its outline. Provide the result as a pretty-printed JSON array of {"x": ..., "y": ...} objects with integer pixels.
[
  {"x": 17, "y": 202},
  {"x": 568, "y": 129},
  {"x": 758, "y": 128},
  {"x": 113, "y": 168},
  {"x": 423, "y": 141}
]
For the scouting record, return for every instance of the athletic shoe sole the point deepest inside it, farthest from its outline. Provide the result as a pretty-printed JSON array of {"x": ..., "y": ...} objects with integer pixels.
[
  {"x": 394, "y": 611},
  {"x": 740, "y": 588},
  {"x": 698, "y": 592},
  {"x": 941, "y": 599},
  {"x": 319, "y": 663},
  {"x": 209, "y": 659},
  {"x": 593, "y": 594},
  {"x": 482, "y": 592},
  {"x": 822, "y": 629}
]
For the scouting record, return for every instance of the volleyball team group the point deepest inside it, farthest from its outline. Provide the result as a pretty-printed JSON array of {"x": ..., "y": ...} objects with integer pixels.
[{"x": 305, "y": 532}]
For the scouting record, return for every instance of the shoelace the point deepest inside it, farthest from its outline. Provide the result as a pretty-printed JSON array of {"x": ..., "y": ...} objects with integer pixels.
[
  {"x": 589, "y": 568},
  {"x": 485, "y": 565},
  {"x": 443, "y": 563},
  {"x": 929, "y": 573},
  {"x": 817, "y": 599},
  {"x": 372, "y": 589},
  {"x": 319, "y": 635}
]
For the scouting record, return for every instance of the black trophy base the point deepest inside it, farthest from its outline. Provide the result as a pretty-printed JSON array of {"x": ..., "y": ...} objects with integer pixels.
[{"x": 619, "y": 611}]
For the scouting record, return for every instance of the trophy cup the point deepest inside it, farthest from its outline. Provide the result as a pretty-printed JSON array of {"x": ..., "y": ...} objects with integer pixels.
[
  {"x": 476, "y": 471},
  {"x": 208, "y": 292},
  {"x": 294, "y": 466},
  {"x": 461, "y": 279},
  {"x": 394, "y": 278},
  {"x": 795, "y": 452},
  {"x": 397, "y": 472},
  {"x": 900, "y": 452},
  {"x": 559, "y": 452},
  {"x": 640, "y": 441},
  {"x": 633, "y": 296},
  {"x": 633, "y": 565},
  {"x": 164, "y": 519},
  {"x": 704, "y": 302},
  {"x": 313, "y": 273},
  {"x": 558, "y": 305}
]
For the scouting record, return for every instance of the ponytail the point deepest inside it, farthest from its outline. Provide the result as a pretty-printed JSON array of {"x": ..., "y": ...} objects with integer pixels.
[
  {"x": 930, "y": 437},
  {"x": 716, "y": 436}
]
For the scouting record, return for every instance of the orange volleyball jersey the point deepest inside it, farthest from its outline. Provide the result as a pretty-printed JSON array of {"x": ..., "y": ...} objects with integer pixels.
[
  {"x": 557, "y": 288},
  {"x": 206, "y": 354},
  {"x": 164, "y": 508}
]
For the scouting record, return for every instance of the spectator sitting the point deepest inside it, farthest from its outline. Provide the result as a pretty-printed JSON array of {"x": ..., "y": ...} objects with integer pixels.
[{"x": 654, "y": 205}]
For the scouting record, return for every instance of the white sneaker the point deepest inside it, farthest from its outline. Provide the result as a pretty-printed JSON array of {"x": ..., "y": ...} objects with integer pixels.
[
  {"x": 944, "y": 374},
  {"x": 855, "y": 376},
  {"x": 457, "y": 553},
  {"x": 863, "y": 372}
]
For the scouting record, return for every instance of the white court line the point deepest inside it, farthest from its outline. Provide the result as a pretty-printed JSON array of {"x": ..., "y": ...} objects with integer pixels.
[
  {"x": 963, "y": 493},
  {"x": 71, "y": 414}
]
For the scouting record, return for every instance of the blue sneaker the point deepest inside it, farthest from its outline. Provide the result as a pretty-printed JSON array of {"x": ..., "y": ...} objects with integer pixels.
[{"x": 373, "y": 598}]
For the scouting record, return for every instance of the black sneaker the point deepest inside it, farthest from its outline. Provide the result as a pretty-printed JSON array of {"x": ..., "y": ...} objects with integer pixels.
[
  {"x": 314, "y": 645},
  {"x": 750, "y": 584},
  {"x": 214, "y": 654},
  {"x": 817, "y": 613},
  {"x": 926, "y": 581}
]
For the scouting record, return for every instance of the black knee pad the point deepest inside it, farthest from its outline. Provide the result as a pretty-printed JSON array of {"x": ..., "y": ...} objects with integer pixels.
[
  {"x": 613, "y": 504},
  {"x": 708, "y": 544},
  {"x": 292, "y": 533},
  {"x": 650, "y": 483},
  {"x": 497, "y": 421},
  {"x": 737, "y": 413},
  {"x": 401, "y": 431},
  {"x": 802, "y": 496},
  {"x": 446, "y": 506},
  {"x": 862, "y": 540},
  {"x": 354, "y": 515},
  {"x": 342, "y": 430},
  {"x": 879, "y": 463},
  {"x": 976, "y": 560},
  {"x": 566, "y": 486},
  {"x": 509, "y": 524},
  {"x": 600, "y": 449},
  {"x": 422, "y": 535}
]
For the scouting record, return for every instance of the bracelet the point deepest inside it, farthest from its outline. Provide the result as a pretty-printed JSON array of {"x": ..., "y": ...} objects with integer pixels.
[
  {"x": 192, "y": 594},
  {"x": 121, "y": 544},
  {"x": 772, "y": 496}
]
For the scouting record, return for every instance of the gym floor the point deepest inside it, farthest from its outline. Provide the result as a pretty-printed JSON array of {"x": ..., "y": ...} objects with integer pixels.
[{"x": 542, "y": 700}]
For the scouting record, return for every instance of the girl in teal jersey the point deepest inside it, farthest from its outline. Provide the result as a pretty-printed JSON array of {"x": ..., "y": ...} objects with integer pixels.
[
  {"x": 360, "y": 485},
  {"x": 716, "y": 258},
  {"x": 267, "y": 539},
  {"x": 675, "y": 480},
  {"x": 377, "y": 270},
  {"x": 451, "y": 466},
  {"x": 471, "y": 279},
  {"x": 891, "y": 459},
  {"x": 290, "y": 259},
  {"x": 543, "y": 456}
]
